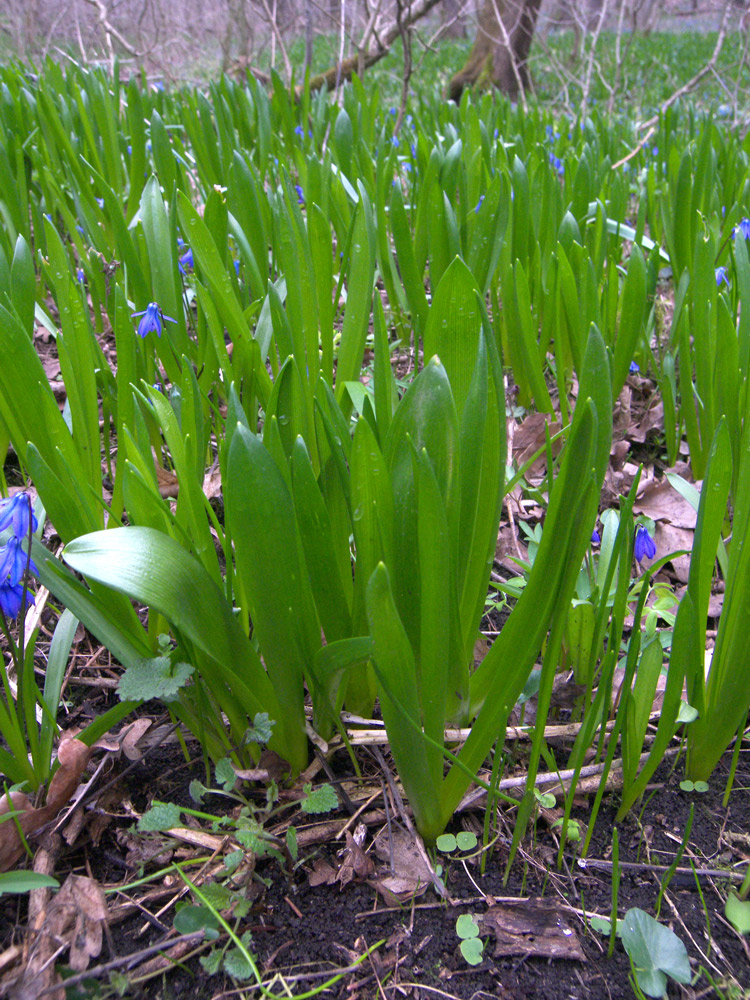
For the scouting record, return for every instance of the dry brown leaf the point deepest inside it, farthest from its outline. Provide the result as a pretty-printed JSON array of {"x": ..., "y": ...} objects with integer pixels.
[
  {"x": 127, "y": 740},
  {"x": 212, "y": 482},
  {"x": 322, "y": 873},
  {"x": 660, "y": 501},
  {"x": 529, "y": 436},
  {"x": 356, "y": 863},
  {"x": 410, "y": 875},
  {"x": 668, "y": 539},
  {"x": 75, "y": 915},
  {"x": 166, "y": 482},
  {"x": 73, "y": 757}
]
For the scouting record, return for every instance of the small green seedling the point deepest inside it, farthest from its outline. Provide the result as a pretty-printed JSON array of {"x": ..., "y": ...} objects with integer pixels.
[
  {"x": 545, "y": 799},
  {"x": 574, "y": 829},
  {"x": 603, "y": 926},
  {"x": 694, "y": 786},
  {"x": 447, "y": 843},
  {"x": 655, "y": 952},
  {"x": 472, "y": 946}
]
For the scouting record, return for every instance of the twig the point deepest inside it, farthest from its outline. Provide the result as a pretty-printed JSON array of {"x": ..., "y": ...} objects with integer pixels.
[
  {"x": 97, "y": 971},
  {"x": 652, "y": 122}
]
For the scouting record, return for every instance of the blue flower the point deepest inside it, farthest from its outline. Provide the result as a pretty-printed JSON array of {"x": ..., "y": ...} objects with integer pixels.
[
  {"x": 153, "y": 319},
  {"x": 595, "y": 537},
  {"x": 185, "y": 262},
  {"x": 557, "y": 163},
  {"x": 479, "y": 203},
  {"x": 394, "y": 141},
  {"x": 11, "y": 599},
  {"x": 721, "y": 275},
  {"x": 634, "y": 367},
  {"x": 300, "y": 194},
  {"x": 80, "y": 276},
  {"x": 393, "y": 111},
  {"x": 13, "y": 562},
  {"x": 743, "y": 229},
  {"x": 237, "y": 268},
  {"x": 17, "y": 511},
  {"x": 298, "y": 130},
  {"x": 645, "y": 547}
]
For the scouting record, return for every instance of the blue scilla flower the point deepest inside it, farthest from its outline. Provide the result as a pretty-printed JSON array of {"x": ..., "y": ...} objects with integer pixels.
[
  {"x": 298, "y": 130},
  {"x": 16, "y": 511},
  {"x": 634, "y": 367},
  {"x": 393, "y": 111},
  {"x": 80, "y": 276},
  {"x": 645, "y": 547},
  {"x": 394, "y": 141},
  {"x": 557, "y": 163},
  {"x": 11, "y": 599},
  {"x": 13, "y": 561},
  {"x": 721, "y": 276},
  {"x": 300, "y": 194},
  {"x": 743, "y": 229},
  {"x": 595, "y": 537},
  {"x": 153, "y": 319},
  {"x": 185, "y": 262},
  {"x": 479, "y": 203}
]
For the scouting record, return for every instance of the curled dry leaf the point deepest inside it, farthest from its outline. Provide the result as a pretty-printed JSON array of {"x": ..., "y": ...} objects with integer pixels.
[{"x": 73, "y": 757}]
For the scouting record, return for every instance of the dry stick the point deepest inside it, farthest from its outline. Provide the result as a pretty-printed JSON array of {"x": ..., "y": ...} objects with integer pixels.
[
  {"x": 100, "y": 970},
  {"x": 505, "y": 38},
  {"x": 406, "y": 42},
  {"x": 589, "y": 69},
  {"x": 652, "y": 122},
  {"x": 110, "y": 30},
  {"x": 277, "y": 35},
  {"x": 636, "y": 151}
]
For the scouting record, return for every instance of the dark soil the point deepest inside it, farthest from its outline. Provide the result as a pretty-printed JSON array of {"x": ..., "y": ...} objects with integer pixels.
[{"x": 305, "y": 934}]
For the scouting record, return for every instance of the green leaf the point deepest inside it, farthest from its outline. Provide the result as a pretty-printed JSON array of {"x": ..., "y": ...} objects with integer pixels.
[
  {"x": 466, "y": 926},
  {"x": 654, "y": 951},
  {"x": 152, "y": 568},
  {"x": 446, "y": 843},
  {"x": 189, "y": 919},
  {"x": 218, "y": 895},
  {"x": 291, "y": 842},
  {"x": 155, "y": 678},
  {"x": 225, "y": 774},
  {"x": 737, "y": 912},
  {"x": 236, "y": 965},
  {"x": 21, "y": 881},
  {"x": 161, "y": 816},
  {"x": 322, "y": 800},
  {"x": 466, "y": 840},
  {"x": 472, "y": 950},
  {"x": 261, "y": 729},
  {"x": 211, "y": 962},
  {"x": 687, "y": 713}
]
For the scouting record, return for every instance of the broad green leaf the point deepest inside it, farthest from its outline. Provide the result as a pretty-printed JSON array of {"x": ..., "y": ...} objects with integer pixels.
[
  {"x": 155, "y": 678},
  {"x": 654, "y": 951}
]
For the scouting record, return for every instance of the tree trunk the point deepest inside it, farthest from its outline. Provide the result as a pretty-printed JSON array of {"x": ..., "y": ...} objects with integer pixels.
[{"x": 500, "y": 52}]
